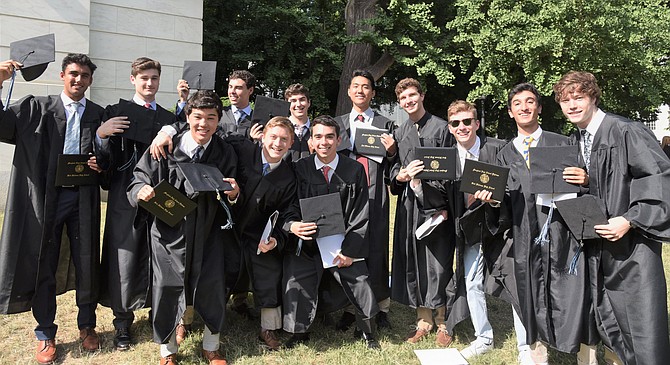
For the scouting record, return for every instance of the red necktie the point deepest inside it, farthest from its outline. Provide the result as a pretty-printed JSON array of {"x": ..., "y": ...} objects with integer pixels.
[
  {"x": 325, "y": 170},
  {"x": 362, "y": 159},
  {"x": 147, "y": 105}
]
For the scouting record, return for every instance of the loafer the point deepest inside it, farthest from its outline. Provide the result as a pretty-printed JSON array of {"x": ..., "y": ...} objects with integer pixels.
[
  {"x": 382, "y": 320},
  {"x": 122, "y": 339},
  {"x": 214, "y": 357},
  {"x": 417, "y": 335},
  {"x": 443, "y": 339},
  {"x": 89, "y": 339},
  {"x": 168, "y": 360},
  {"x": 476, "y": 348},
  {"x": 345, "y": 322},
  {"x": 269, "y": 337},
  {"x": 45, "y": 352},
  {"x": 297, "y": 339},
  {"x": 181, "y": 332}
]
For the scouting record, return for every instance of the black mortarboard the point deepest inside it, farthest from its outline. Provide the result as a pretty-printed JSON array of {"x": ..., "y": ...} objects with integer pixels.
[
  {"x": 546, "y": 169},
  {"x": 326, "y": 212},
  {"x": 35, "y": 55},
  {"x": 201, "y": 177},
  {"x": 268, "y": 108},
  {"x": 581, "y": 214},
  {"x": 200, "y": 75},
  {"x": 473, "y": 226},
  {"x": 141, "y": 121}
]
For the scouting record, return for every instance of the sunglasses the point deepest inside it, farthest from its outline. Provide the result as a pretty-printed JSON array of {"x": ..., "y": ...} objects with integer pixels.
[{"x": 466, "y": 122}]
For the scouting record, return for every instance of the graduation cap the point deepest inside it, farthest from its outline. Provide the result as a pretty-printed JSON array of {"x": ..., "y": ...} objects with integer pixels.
[
  {"x": 35, "y": 54},
  {"x": 581, "y": 214},
  {"x": 546, "y": 169},
  {"x": 200, "y": 75},
  {"x": 268, "y": 108},
  {"x": 201, "y": 177},
  {"x": 326, "y": 212},
  {"x": 141, "y": 121}
]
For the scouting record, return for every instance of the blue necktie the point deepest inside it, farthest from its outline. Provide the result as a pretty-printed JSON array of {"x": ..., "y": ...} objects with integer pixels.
[
  {"x": 266, "y": 168},
  {"x": 243, "y": 116},
  {"x": 72, "y": 130},
  {"x": 197, "y": 155}
]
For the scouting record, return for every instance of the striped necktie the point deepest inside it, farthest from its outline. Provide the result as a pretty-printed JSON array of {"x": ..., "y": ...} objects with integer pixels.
[
  {"x": 586, "y": 138},
  {"x": 526, "y": 149}
]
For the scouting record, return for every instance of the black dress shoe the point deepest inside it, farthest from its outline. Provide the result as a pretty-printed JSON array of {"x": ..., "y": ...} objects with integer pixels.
[
  {"x": 296, "y": 339},
  {"x": 345, "y": 322},
  {"x": 371, "y": 341},
  {"x": 122, "y": 339},
  {"x": 382, "y": 320}
]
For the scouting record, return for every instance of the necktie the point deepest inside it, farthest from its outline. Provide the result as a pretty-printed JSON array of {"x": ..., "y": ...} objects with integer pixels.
[
  {"x": 147, "y": 105},
  {"x": 526, "y": 149},
  {"x": 364, "y": 161},
  {"x": 72, "y": 130},
  {"x": 586, "y": 138},
  {"x": 360, "y": 118},
  {"x": 198, "y": 154},
  {"x": 243, "y": 116},
  {"x": 266, "y": 168},
  {"x": 325, "y": 169}
]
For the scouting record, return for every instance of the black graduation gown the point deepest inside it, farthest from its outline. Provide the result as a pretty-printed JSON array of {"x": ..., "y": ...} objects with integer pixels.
[
  {"x": 36, "y": 126},
  {"x": 194, "y": 261},
  {"x": 378, "y": 229},
  {"x": 299, "y": 148},
  {"x": 261, "y": 196},
  {"x": 630, "y": 173},
  {"x": 421, "y": 268},
  {"x": 300, "y": 301},
  {"x": 126, "y": 261},
  {"x": 457, "y": 297},
  {"x": 541, "y": 271},
  {"x": 227, "y": 124}
]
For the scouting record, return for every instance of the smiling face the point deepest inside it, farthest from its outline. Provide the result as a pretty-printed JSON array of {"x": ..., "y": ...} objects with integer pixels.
[
  {"x": 412, "y": 102},
  {"x": 299, "y": 107},
  {"x": 579, "y": 108},
  {"x": 76, "y": 80},
  {"x": 465, "y": 135},
  {"x": 361, "y": 93},
  {"x": 203, "y": 123},
  {"x": 525, "y": 109},
  {"x": 276, "y": 142},
  {"x": 325, "y": 141},
  {"x": 146, "y": 84},
  {"x": 239, "y": 93}
]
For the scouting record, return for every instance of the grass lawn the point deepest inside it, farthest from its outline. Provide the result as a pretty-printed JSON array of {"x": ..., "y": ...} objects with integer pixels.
[{"x": 240, "y": 344}]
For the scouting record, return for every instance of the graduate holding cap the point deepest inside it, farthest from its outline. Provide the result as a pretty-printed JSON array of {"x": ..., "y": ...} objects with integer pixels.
[
  {"x": 38, "y": 212},
  {"x": 195, "y": 261},
  {"x": 629, "y": 172}
]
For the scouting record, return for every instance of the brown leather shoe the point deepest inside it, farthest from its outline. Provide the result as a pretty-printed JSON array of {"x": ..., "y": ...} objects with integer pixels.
[
  {"x": 443, "y": 338},
  {"x": 214, "y": 357},
  {"x": 168, "y": 360},
  {"x": 45, "y": 352},
  {"x": 417, "y": 335},
  {"x": 182, "y": 332},
  {"x": 89, "y": 339},
  {"x": 270, "y": 339}
]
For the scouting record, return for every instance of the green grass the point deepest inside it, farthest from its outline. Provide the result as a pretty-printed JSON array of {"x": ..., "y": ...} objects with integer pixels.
[{"x": 240, "y": 344}]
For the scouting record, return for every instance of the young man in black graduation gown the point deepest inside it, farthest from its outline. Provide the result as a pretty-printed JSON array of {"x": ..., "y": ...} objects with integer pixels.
[
  {"x": 630, "y": 174},
  {"x": 361, "y": 91},
  {"x": 269, "y": 185},
  {"x": 541, "y": 271},
  {"x": 421, "y": 267},
  {"x": 38, "y": 211},
  {"x": 191, "y": 261},
  {"x": 126, "y": 279},
  {"x": 323, "y": 173},
  {"x": 298, "y": 96}
]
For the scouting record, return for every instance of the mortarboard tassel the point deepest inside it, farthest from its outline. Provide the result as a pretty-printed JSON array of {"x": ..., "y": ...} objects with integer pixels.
[
  {"x": 11, "y": 88},
  {"x": 575, "y": 258},
  {"x": 229, "y": 223},
  {"x": 544, "y": 233}
]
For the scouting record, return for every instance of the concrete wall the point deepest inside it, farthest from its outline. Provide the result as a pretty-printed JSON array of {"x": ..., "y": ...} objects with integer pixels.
[{"x": 113, "y": 33}]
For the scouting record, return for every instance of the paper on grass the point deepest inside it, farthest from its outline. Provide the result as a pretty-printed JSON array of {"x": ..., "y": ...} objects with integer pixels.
[
  {"x": 440, "y": 357},
  {"x": 428, "y": 226},
  {"x": 269, "y": 226}
]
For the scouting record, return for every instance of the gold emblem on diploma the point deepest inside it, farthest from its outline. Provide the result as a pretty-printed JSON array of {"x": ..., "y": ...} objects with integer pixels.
[
  {"x": 169, "y": 203},
  {"x": 484, "y": 178},
  {"x": 434, "y": 164},
  {"x": 371, "y": 140},
  {"x": 79, "y": 169}
]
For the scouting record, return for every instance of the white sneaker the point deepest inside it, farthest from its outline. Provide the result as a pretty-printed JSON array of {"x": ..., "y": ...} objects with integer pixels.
[
  {"x": 524, "y": 358},
  {"x": 476, "y": 348}
]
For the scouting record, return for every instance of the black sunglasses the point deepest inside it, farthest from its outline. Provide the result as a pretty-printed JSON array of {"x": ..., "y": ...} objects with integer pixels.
[{"x": 466, "y": 122}]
